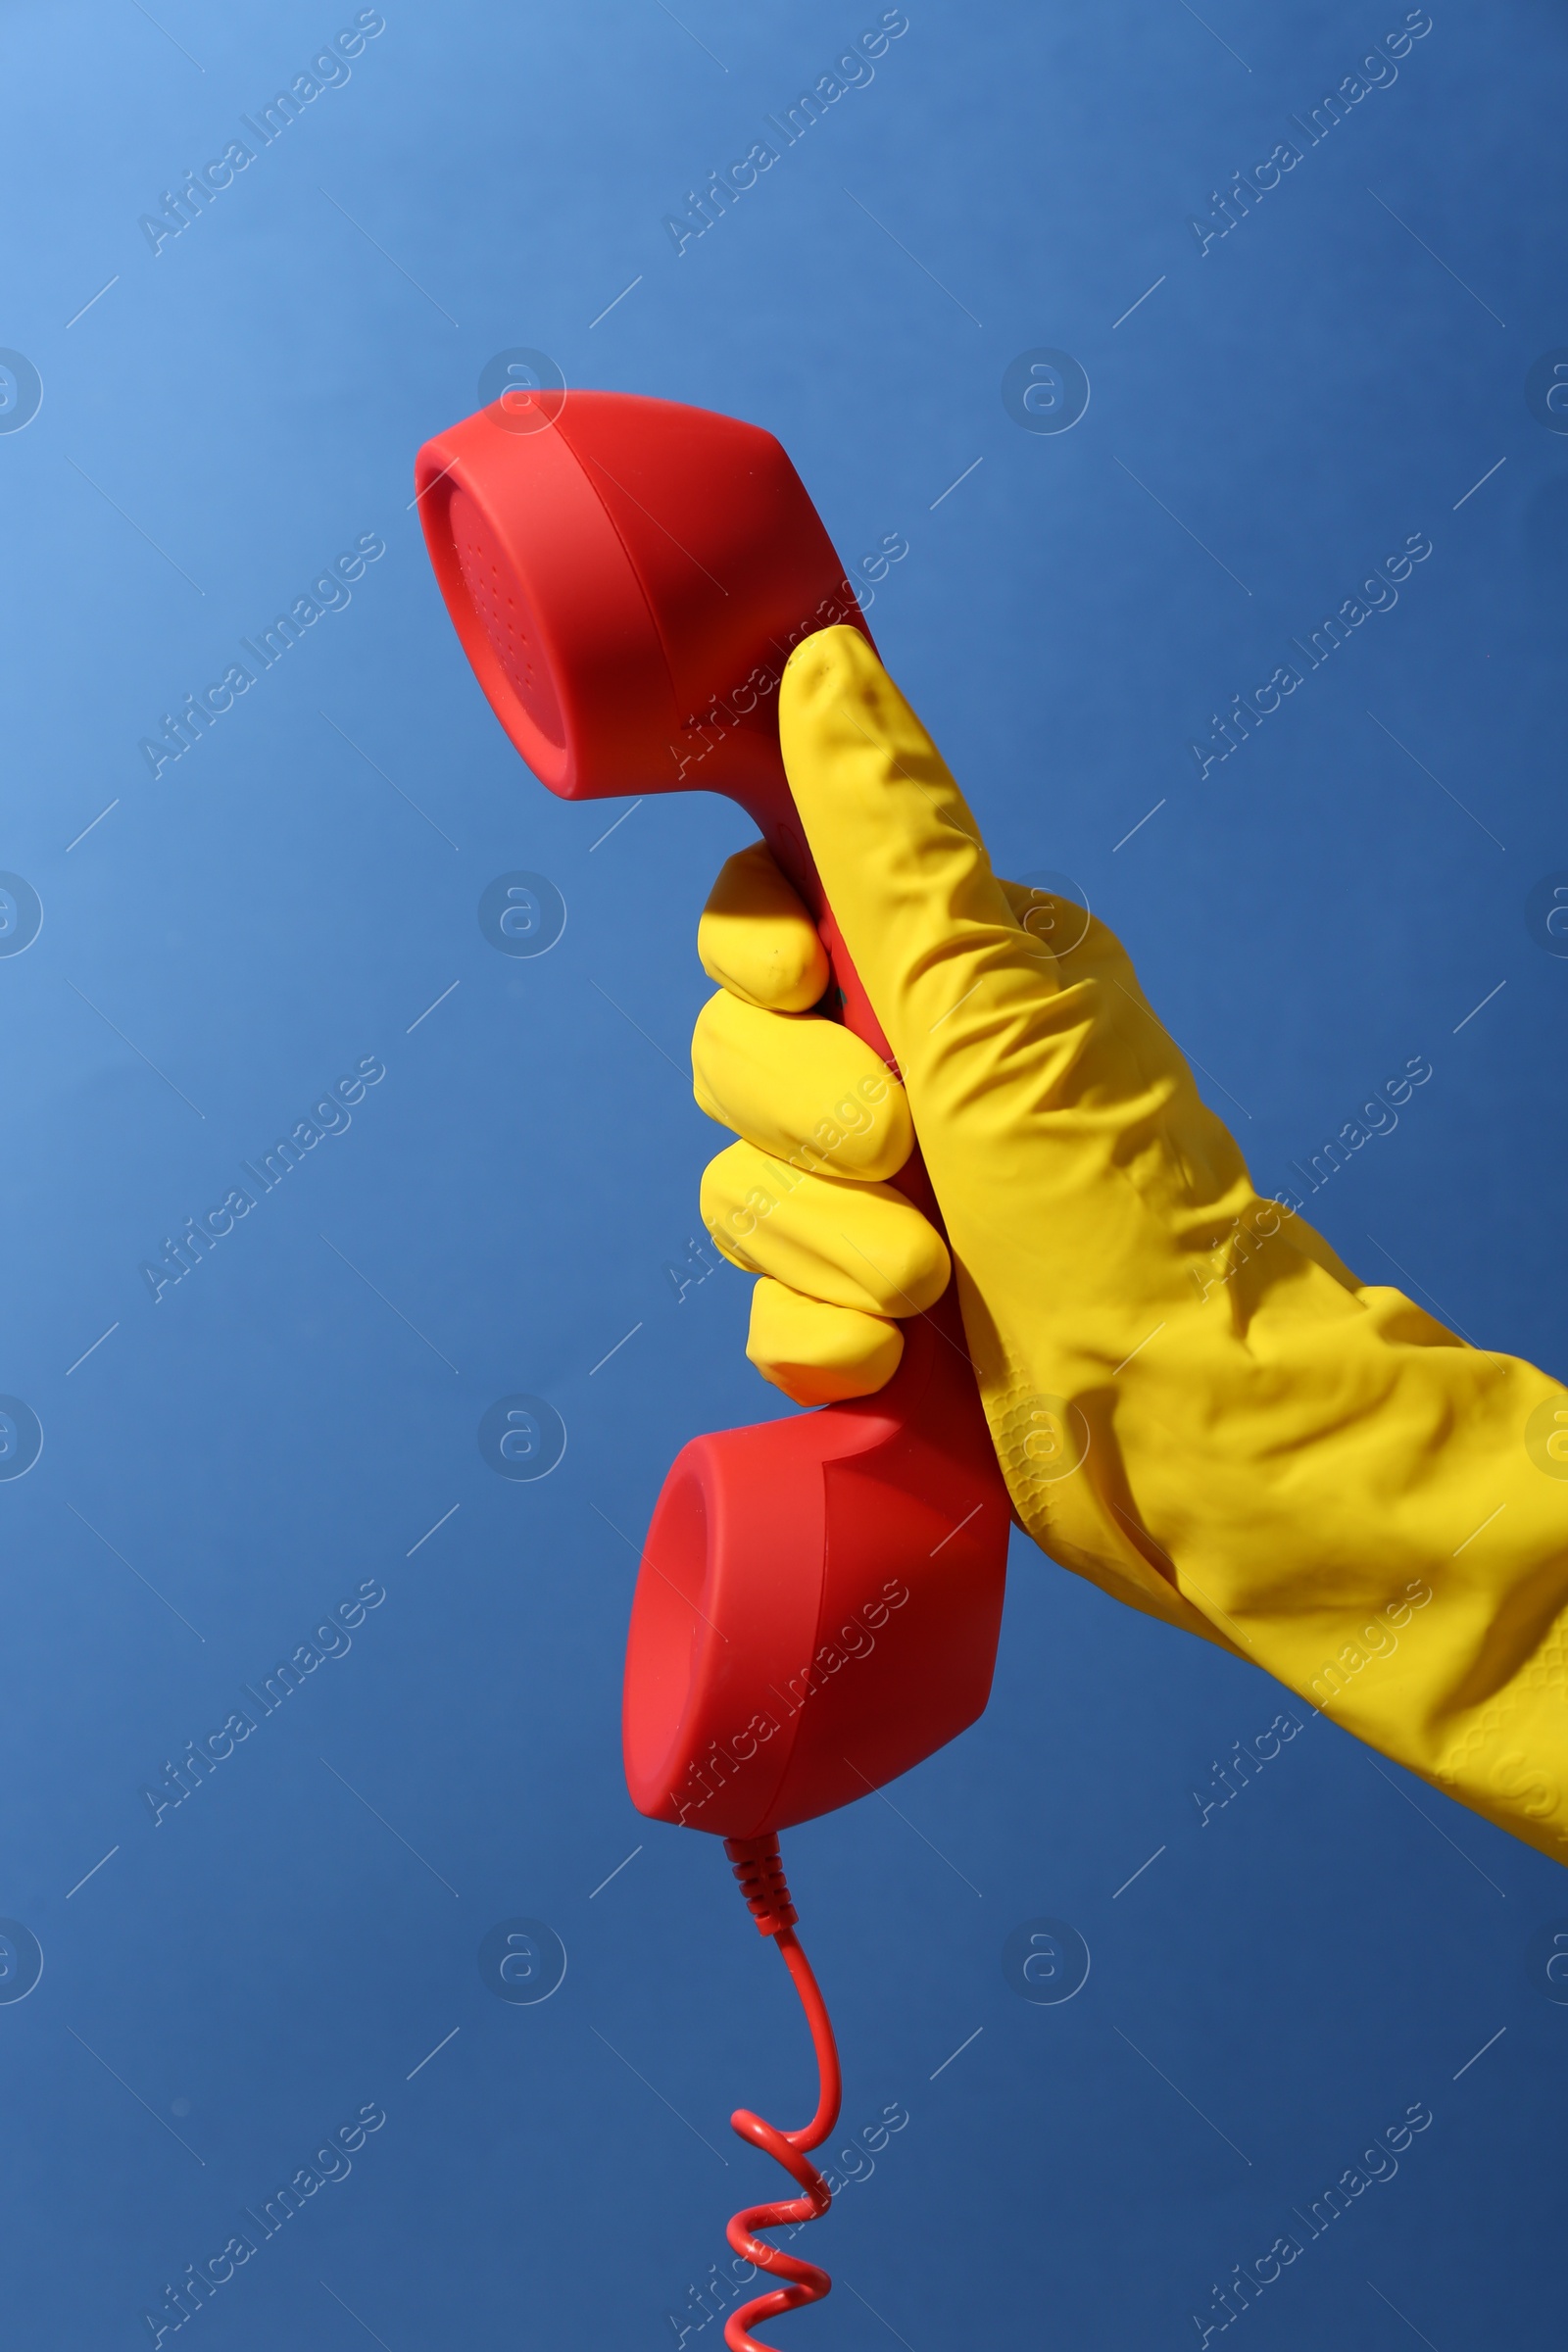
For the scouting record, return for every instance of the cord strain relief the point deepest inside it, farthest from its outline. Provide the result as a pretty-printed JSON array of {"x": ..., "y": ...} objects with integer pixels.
[{"x": 759, "y": 1875}]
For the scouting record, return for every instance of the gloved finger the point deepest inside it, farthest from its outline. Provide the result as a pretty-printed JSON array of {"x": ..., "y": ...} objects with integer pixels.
[
  {"x": 819, "y": 1354},
  {"x": 852, "y": 1245},
  {"x": 810, "y": 1092},
  {"x": 757, "y": 938},
  {"x": 1008, "y": 1049},
  {"x": 932, "y": 933}
]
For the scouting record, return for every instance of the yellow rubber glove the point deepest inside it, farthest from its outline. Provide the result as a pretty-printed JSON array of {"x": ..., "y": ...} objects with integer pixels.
[{"x": 1193, "y": 1402}]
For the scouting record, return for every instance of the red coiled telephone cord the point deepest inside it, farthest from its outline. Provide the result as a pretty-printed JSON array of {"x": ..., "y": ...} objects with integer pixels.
[{"x": 760, "y": 1876}]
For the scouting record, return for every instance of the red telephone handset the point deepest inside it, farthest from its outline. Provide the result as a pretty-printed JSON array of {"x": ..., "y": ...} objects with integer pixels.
[{"x": 820, "y": 1596}]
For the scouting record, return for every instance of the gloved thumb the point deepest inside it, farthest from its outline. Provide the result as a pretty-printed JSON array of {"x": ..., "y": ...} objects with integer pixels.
[
  {"x": 1062, "y": 1131},
  {"x": 929, "y": 927}
]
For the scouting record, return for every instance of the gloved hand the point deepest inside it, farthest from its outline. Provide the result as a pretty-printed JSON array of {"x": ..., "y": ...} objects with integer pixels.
[{"x": 1193, "y": 1402}]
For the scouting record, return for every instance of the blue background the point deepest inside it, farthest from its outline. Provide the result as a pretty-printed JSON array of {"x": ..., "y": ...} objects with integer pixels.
[{"x": 224, "y": 419}]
